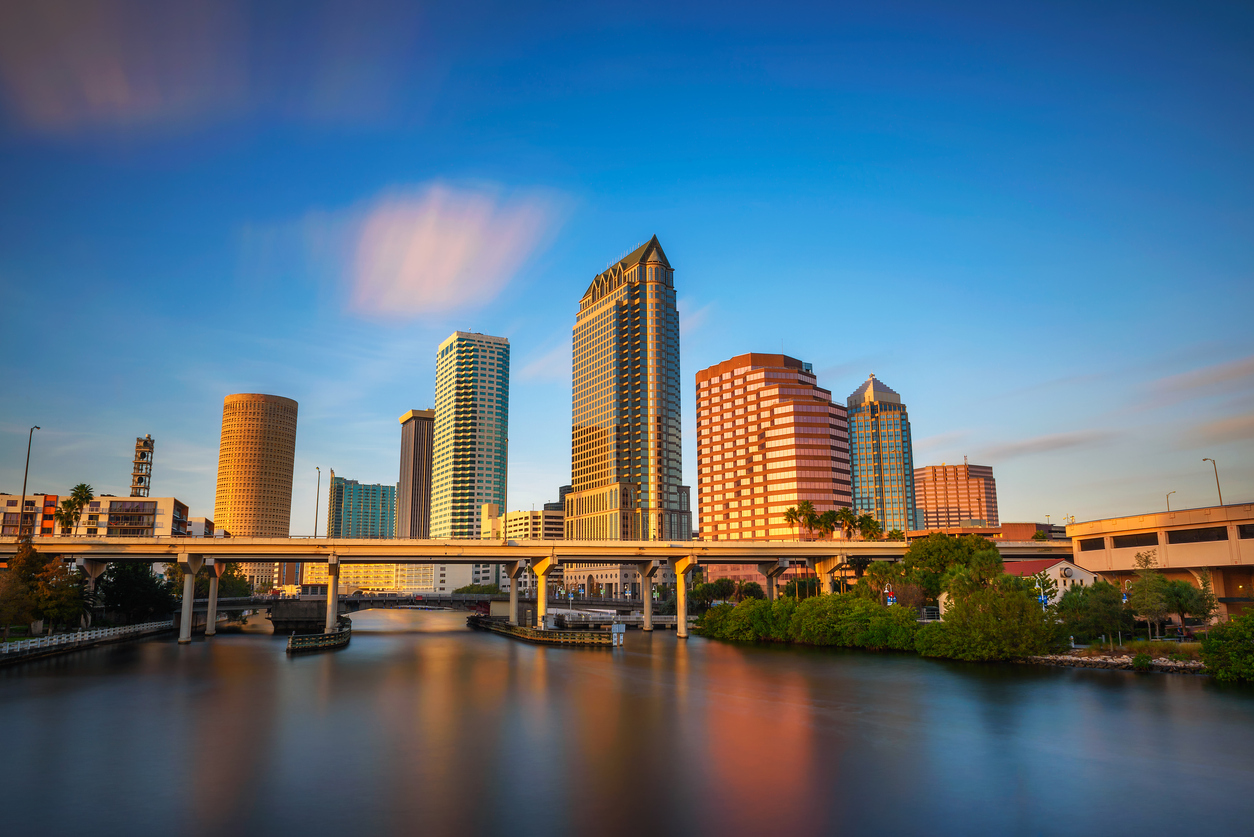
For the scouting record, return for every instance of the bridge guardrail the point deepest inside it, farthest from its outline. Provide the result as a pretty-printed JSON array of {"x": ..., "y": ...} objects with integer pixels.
[{"x": 28, "y": 646}]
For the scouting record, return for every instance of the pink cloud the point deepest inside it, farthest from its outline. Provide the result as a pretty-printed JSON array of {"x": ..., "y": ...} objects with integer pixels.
[{"x": 441, "y": 249}]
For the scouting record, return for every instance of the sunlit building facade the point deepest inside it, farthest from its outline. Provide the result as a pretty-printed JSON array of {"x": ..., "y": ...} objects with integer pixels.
[
  {"x": 955, "y": 495},
  {"x": 625, "y": 435},
  {"x": 413, "y": 492},
  {"x": 881, "y": 456}
]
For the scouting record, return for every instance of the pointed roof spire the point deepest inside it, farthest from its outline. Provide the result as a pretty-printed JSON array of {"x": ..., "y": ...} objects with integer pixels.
[{"x": 873, "y": 389}]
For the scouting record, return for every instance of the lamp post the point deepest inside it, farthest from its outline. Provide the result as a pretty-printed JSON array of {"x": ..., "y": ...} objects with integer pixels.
[
  {"x": 21, "y": 509},
  {"x": 1169, "y": 493},
  {"x": 1217, "y": 488},
  {"x": 317, "y": 498}
]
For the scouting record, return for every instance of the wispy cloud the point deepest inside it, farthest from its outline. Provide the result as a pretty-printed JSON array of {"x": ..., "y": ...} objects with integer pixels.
[
  {"x": 72, "y": 64},
  {"x": 689, "y": 319},
  {"x": 553, "y": 365},
  {"x": 1048, "y": 443},
  {"x": 1222, "y": 431},
  {"x": 1217, "y": 379},
  {"x": 440, "y": 249}
]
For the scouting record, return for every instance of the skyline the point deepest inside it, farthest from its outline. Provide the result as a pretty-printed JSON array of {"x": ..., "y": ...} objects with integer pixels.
[{"x": 1011, "y": 249}]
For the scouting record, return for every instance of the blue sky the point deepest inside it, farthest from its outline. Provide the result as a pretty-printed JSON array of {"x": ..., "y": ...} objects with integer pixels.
[{"x": 1035, "y": 222}]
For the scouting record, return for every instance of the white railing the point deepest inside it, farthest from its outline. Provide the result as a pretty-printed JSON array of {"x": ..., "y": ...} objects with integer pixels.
[{"x": 79, "y": 638}]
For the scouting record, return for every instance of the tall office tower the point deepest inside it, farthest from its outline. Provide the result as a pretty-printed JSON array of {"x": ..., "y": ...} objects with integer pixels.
[
  {"x": 955, "y": 495},
  {"x": 625, "y": 434},
  {"x": 768, "y": 437},
  {"x": 141, "y": 467},
  {"x": 471, "y": 433},
  {"x": 413, "y": 495},
  {"x": 255, "y": 459},
  {"x": 360, "y": 510},
  {"x": 881, "y": 456}
]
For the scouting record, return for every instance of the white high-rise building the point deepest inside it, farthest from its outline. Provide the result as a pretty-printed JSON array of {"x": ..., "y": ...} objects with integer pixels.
[{"x": 469, "y": 466}]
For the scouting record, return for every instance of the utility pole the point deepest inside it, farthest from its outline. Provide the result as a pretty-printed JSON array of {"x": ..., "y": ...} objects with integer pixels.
[
  {"x": 317, "y": 499},
  {"x": 1217, "y": 488},
  {"x": 21, "y": 510}
]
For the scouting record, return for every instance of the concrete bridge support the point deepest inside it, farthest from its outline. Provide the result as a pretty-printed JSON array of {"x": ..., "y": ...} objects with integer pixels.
[
  {"x": 773, "y": 570},
  {"x": 515, "y": 570},
  {"x": 648, "y": 571},
  {"x": 191, "y": 565},
  {"x": 824, "y": 567},
  {"x": 92, "y": 569},
  {"x": 216, "y": 568},
  {"x": 681, "y": 566},
  {"x": 542, "y": 568},
  {"x": 333, "y": 593}
]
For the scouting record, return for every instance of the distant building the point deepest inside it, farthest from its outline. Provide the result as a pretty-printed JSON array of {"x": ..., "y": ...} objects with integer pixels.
[
  {"x": 881, "y": 456},
  {"x": 33, "y": 514},
  {"x": 625, "y": 431},
  {"x": 955, "y": 495},
  {"x": 560, "y": 505},
  {"x": 471, "y": 432},
  {"x": 1183, "y": 543},
  {"x": 768, "y": 437},
  {"x": 1064, "y": 573},
  {"x": 413, "y": 495},
  {"x": 201, "y": 527},
  {"x": 360, "y": 510},
  {"x": 255, "y": 461},
  {"x": 534, "y": 525},
  {"x": 1004, "y": 532},
  {"x": 134, "y": 517}
]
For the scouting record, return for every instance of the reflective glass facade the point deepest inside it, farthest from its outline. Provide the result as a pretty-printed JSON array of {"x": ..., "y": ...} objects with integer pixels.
[
  {"x": 881, "y": 456},
  {"x": 625, "y": 434}
]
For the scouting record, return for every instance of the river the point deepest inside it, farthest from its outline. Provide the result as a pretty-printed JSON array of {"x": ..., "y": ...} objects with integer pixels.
[{"x": 423, "y": 727}]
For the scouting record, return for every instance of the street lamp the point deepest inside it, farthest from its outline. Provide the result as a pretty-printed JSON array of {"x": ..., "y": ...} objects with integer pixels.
[
  {"x": 21, "y": 509},
  {"x": 1217, "y": 488},
  {"x": 1169, "y": 493},
  {"x": 317, "y": 498}
]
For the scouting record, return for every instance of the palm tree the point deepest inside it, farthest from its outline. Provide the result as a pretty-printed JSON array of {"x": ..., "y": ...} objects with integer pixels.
[
  {"x": 809, "y": 517},
  {"x": 847, "y": 520},
  {"x": 827, "y": 523},
  {"x": 869, "y": 528},
  {"x": 81, "y": 494},
  {"x": 896, "y": 535},
  {"x": 792, "y": 517},
  {"x": 67, "y": 516}
]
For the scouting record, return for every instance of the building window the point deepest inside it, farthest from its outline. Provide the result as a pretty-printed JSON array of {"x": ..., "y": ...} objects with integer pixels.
[
  {"x": 1127, "y": 541},
  {"x": 1210, "y": 533},
  {"x": 1245, "y": 531},
  {"x": 1090, "y": 544}
]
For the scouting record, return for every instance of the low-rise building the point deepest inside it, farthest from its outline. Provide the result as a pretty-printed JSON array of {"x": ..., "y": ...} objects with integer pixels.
[
  {"x": 134, "y": 517},
  {"x": 1182, "y": 544},
  {"x": 1064, "y": 573},
  {"x": 32, "y": 514}
]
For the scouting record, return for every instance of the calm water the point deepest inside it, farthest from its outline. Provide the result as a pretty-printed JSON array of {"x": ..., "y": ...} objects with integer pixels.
[{"x": 421, "y": 726}]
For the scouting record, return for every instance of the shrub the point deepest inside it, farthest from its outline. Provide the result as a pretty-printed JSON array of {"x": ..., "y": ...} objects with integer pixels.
[
  {"x": 748, "y": 621},
  {"x": 1142, "y": 662},
  {"x": 933, "y": 640},
  {"x": 999, "y": 622},
  {"x": 1228, "y": 650},
  {"x": 714, "y": 621}
]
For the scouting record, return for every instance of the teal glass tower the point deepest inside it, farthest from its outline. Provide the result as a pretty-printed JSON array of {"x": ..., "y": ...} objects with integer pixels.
[
  {"x": 881, "y": 457},
  {"x": 360, "y": 510}
]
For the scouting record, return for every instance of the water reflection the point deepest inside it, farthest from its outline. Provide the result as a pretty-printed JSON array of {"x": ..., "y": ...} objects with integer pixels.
[{"x": 421, "y": 725}]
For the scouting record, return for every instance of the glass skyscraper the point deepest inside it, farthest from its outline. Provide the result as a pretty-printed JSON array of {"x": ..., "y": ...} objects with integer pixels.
[
  {"x": 471, "y": 432},
  {"x": 625, "y": 433},
  {"x": 360, "y": 510},
  {"x": 881, "y": 456}
]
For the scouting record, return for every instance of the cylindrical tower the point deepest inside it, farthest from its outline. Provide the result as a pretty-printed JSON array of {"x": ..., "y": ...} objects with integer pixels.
[{"x": 255, "y": 462}]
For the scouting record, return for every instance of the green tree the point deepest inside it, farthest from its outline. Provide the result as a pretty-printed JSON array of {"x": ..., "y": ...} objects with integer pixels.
[
  {"x": 827, "y": 523},
  {"x": 859, "y": 563},
  {"x": 1228, "y": 650},
  {"x": 1039, "y": 535},
  {"x": 997, "y": 620},
  {"x": 1183, "y": 598},
  {"x": 66, "y": 516},
  {"x": 1045, "y": 586},
  {"x": 847, "y": 520},
  {"x": 895, "y": 535},
  {"x": 1094, "y": 610},
  {"x": 929, "y": 560},
  {"x": 1207, "y": 604},
  {"x": 1148, "y": 594},
  {"x": 478, "y": 589},
  {"x": 751, "y": 590},
  {"x": 59, "y": 594},
  {"x": 792, "y": 517},
  {"x": 17, "y": 606},
  {"x": 869, "y": 528},
  {"x": 807, "y": 516},
  {"x": 135, "y": 591},
  {"x": 723, "y": 588},
  {"x": 801, "y": 587}
]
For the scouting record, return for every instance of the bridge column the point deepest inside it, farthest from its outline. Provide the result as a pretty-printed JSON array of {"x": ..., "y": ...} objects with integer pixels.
[
  {"x": 515, "y": 570},
  {"x": 681, "y": 566},
  {"x": 773, "y": 571},
  {"x": 92, "y": 569},
  {"x": 333, "y": 593},
  {"x": 216, "y": 568},
  {"x": 542, "y": 568},
  {"x": 191, "y": 565},
  {"x": 648, "y": 571},
  {"x": 823, "y": 568}
]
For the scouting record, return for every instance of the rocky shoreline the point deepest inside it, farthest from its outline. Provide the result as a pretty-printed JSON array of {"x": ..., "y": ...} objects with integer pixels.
[{"x": 1120, "y": 662}]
